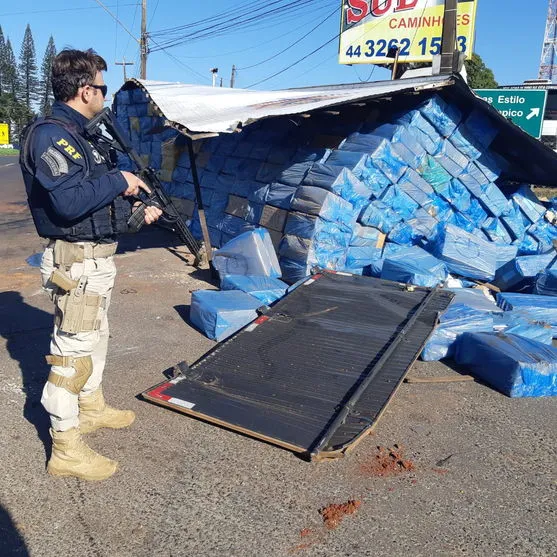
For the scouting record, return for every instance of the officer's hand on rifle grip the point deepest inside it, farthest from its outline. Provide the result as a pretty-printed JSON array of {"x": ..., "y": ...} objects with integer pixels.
[
  {"x": 134, "y": 184},
  {"x": 152, "y": 214}
]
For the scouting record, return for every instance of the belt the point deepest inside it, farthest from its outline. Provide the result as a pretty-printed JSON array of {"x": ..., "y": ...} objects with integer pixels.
[{"x": 73, "y": 252}]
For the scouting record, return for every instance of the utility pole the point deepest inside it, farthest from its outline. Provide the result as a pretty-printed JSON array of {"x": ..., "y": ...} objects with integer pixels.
[
  {"x": 448, "y": 45},
  {"x": 233, "y": 76},
  {"x": 143, "y": 41},
  {"x": 214, "y": 72},
  {"x": 124, "y": 63}
]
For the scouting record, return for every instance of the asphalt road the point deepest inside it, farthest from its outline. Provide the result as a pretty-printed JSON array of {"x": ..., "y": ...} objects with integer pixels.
[{"x": 483, "y": 479}]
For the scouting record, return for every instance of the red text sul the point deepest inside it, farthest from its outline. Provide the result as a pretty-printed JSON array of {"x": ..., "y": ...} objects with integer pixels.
[{"x": 358, "y": 9}]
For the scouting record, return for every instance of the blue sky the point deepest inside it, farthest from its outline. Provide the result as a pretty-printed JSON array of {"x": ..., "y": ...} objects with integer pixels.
[{"x": 509, "y": 38}]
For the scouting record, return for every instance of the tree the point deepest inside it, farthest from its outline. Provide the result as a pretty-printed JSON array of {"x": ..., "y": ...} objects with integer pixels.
[
  {"x": 45, "y": 84},
  {"x": 10, "y": 70},
  {"x": 2, "y": 61},
  {"x": 28, "y": 71},
  {"x": 479, "y": 75}
]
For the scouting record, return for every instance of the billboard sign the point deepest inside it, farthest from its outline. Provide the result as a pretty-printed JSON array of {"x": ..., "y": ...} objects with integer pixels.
[
  {"x": 4, "y": 134},
  {"x": 370, "y": 28},
  {"x": 524, "y": 107}
]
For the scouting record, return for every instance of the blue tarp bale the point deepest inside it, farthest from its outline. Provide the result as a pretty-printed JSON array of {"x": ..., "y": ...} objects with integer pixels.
[
  {"x": 494, "y": 201},
  {"x": 341, "y": 181},
  {"x": 520, "y": 273},
  {"x": 400, "y": 134},
  {"x": 354, "y": 161},
  {"x": 433, "y": 173},
  {"x": 358, "y": 257},
  {"x": 413, "y": 185},
  {"x": 516, "y": 323},
  {"x": 413, "y": 265},
  {"x": 495, "y": 231},
  {"x": 367, "y": 236},
  {"x": 455, "y": 321},
  {"x": 505, "y": 253},
  {"x": 280, "y": 195},
  {"x": 325, "y": 204},
  {"x": 379, "y": 215},
  {"x": 380, "y": 150},
  {"x": 250, "y": 253},
  {"x": 475, "y": 298},
  {"x": 220, "y": 314},
  {"x": 528, "y": 203},
  {"x": 465, "y": 254},
  {"x": 266, "y": 289},
  {"x": 443, "y": 116},
  {"x": 545, "y": 233},
  {"x": 421, "y": 129},
  {"x": 514, "y": 365},
  {"x": 400, "y": 202},
  {"x": 546, "y": 283},
  {"x": 515, "y": 300},
  {"x": 326, "y": 251}
]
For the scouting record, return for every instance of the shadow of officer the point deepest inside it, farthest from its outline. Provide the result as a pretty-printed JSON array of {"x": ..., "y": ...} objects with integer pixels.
[
  {"x": 11, "y": 542},
  {"x": 27, "y": 331}
]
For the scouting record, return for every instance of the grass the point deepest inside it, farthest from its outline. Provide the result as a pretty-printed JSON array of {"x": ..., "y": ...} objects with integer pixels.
[{"x": 8, "y": 152}]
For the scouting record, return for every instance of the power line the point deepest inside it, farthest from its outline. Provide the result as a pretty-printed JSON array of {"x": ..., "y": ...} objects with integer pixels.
[
  {"x": 115, "y": 18},
  {"x": 292, "y": 44},
  {"x": 63, "y": 10},
  {"x": 180, "y": 63},
  {"x": 253, "y": 46},
  {"x": 307, "y": 55},
  {"x": 295, "y": 63},
  {"x": 238, "y": 23}
]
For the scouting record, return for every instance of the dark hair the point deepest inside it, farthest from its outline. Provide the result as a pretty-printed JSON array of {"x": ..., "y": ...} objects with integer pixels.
[{"x": 72, "y": 69}]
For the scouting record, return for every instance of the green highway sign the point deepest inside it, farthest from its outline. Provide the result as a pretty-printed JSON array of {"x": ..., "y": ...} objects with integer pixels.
[{"x": 524, "y": 107}]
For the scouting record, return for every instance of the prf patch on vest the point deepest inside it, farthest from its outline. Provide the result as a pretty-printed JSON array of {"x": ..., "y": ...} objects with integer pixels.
[
  {"x": 56, "y": 161},
  {"x": 68, "y": 148}
]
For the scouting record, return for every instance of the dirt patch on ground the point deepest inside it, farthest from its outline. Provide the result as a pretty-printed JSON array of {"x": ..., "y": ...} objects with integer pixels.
[
  {"x": 334, "y": 514},
  {"x": 18, "y": 280},
  {"x": 387, "y": 462},
  {"x": 13, "y": 207}
]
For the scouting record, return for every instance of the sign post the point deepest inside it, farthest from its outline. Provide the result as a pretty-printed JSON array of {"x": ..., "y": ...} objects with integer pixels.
[
  {"x": 524, "y": 107},
  {"x": 4, "y": 134}
]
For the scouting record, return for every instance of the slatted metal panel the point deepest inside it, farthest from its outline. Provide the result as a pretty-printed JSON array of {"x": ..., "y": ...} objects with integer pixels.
[{"x": 287, "y": 376}]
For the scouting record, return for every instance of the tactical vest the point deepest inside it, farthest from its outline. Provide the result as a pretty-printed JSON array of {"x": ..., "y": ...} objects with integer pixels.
[{"x": 101, "y": 225}]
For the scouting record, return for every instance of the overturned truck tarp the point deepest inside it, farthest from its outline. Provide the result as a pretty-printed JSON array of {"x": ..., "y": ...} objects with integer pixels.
[{"x": 314, "y": 373}]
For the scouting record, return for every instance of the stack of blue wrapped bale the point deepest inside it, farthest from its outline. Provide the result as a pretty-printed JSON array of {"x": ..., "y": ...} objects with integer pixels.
[
  {"x": 340, "y": 193},
  {"x": 249, "y": 271}
]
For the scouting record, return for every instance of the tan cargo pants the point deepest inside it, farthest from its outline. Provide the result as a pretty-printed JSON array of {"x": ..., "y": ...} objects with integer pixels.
[{"x": 99, "y": 273}]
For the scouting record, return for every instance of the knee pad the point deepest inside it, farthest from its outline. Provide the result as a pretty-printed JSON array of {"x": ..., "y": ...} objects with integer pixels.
[{"x": 83, "y": 369}]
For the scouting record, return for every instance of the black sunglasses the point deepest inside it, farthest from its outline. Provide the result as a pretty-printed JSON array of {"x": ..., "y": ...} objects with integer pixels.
[{"x": 102, "y": 88}]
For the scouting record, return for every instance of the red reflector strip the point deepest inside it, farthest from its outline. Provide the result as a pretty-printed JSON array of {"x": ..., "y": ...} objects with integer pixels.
[
  {"x": 157, "y": 393},
  {"x": 261, "y": 319}
]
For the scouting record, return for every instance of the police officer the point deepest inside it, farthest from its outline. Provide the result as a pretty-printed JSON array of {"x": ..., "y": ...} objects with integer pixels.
[{"x": 80, "y": 203}]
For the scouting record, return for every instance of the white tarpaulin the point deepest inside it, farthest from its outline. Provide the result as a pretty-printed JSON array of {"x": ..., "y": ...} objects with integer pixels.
[{"x": 202, "y": 109}]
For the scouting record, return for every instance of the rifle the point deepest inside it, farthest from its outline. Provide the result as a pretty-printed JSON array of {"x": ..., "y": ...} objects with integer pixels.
[{"x": 104, "y": 130}]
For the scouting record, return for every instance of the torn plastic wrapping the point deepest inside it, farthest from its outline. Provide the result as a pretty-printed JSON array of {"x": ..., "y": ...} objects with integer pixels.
[
  {"x": 514, "y": 365},
  {"x": 250, "y": 253}
]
